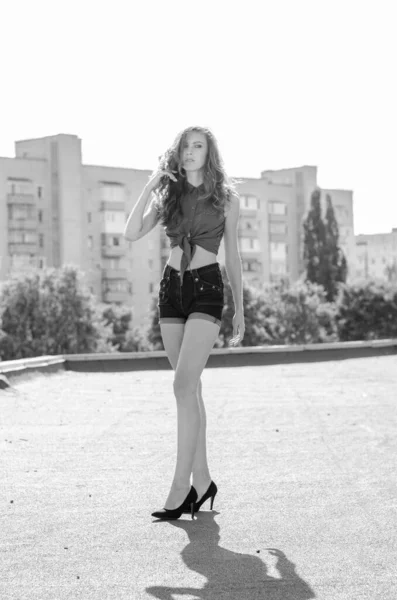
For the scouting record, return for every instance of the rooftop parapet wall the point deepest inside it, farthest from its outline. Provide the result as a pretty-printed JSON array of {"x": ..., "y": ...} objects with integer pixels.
[{"x": 219, "y": 357}]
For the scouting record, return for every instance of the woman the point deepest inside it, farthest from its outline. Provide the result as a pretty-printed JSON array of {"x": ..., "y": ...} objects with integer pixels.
[{"x": 197, "y": 205}]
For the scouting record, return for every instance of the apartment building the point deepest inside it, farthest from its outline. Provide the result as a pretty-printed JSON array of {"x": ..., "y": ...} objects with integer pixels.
[
  {"x": 377, "y": 256},
  {"x": 54, "y": 210},
  {"x": 302, "y": 181}
]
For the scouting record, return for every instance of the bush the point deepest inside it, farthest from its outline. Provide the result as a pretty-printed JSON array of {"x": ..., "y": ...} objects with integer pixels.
[
  {"x": 49, "y": 312},
  {"x": 298, "y": 314},
  {"x": 276, "y": 314},
  {"x": 253, "y": 315},
  {"x": 367, "y": 312}
]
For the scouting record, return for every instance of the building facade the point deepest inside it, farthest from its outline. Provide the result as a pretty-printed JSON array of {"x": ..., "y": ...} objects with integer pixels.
[
  {"x": 377, "y": 256},
  {"x": 54, "y": 211},
  {"x": 302, "y": 182}
]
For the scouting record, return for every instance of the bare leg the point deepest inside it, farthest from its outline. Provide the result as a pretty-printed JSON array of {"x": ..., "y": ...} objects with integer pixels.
[
  {"x": 201, "y": 473},
  {"x": 188, "y": 415},
  {"x": 198, "y": 340}
]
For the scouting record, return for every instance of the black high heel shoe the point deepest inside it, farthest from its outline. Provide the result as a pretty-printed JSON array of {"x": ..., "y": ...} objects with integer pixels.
[
  {"x": 210, "y": 493},
  {"x": 174, "y": 513}
]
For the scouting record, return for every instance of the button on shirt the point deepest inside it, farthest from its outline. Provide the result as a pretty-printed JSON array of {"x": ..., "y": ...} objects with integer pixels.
[{"x": 202, "y": 225}]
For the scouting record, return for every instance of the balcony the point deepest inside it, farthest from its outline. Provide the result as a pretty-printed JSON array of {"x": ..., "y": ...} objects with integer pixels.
[
  {"x": 114, "y": 273},
  {"x": 276, "y": 218},
  {"x": 247, "y": 232},
  {"x": 278, "y": 237},
  {"x": 250, "y": 252},
  {"x": 22, "y": 224},
  {"x": 108, "y": 205},
  {"x": 251, "y": 268},
  {"x": 21, "y": 199},
  {"x": 19, "y": 248},
  {"x": 113, "y": 296},
  {"x": 248, "y": 211},
  {"x": 113, "y": 251}
]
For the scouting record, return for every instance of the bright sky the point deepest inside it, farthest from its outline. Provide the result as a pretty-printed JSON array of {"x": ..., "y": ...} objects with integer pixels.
[{"x": 280, "y": 83}]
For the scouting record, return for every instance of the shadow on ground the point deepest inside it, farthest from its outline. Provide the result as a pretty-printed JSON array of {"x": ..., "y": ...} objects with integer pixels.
[{"x": 230, "y": 574}]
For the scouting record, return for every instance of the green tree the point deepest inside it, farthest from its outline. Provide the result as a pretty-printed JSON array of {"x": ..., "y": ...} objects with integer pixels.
[
  {"x": 314, "y": 241},
  {"x": 119, "y": 319},
  {"x": 325, "y": 262},
  {"x": 335, "y": 260},
  {"x": 49, "y": 312}
]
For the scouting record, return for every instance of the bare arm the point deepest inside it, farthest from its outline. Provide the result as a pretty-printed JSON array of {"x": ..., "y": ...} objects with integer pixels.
[{"x": 137, "y": 222}]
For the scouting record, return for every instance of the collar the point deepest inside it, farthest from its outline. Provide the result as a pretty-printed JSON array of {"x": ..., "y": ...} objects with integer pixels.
[{"x": 191, "y": 187}]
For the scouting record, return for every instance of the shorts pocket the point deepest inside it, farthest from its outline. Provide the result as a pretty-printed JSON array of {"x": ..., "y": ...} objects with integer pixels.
[
  {"x": 164, "y": 290},
  {"x": 209, "y": 288}
]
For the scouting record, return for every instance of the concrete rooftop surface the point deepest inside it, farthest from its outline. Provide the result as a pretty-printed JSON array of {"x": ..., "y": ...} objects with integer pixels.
[{"x": 304, "y": 457}]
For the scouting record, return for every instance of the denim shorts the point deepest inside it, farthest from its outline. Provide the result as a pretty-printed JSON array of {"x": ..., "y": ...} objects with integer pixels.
[{"x": 200, "y": 296}]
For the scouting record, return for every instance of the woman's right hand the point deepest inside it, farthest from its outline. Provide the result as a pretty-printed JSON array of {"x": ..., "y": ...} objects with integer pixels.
[{"x": 157, "y": 175}]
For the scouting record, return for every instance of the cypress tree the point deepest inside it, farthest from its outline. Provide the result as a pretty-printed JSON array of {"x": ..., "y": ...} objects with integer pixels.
[
  {"x": 314, "y": 240},
  {"x": 335, "y": 260},
  {"x": 324, "y": 259}
]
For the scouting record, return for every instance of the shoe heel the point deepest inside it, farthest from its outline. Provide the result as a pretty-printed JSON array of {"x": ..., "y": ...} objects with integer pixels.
[
  {"x": 212, "y": 501},
  {"x": 192, "y": 510}
]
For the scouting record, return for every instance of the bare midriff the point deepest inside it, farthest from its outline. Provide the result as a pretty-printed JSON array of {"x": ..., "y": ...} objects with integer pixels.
[{"x": 201, "y": 258}]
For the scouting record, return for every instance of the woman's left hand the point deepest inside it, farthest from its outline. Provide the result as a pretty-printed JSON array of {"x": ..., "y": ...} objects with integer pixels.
[{"x": 238, "y": 328}]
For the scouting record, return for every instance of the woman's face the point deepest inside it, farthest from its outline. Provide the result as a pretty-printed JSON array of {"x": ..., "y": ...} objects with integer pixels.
[{"x": 194, "y": 151}]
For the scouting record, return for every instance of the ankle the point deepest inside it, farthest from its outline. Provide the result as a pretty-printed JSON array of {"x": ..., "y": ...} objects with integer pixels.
[
  {"x": 180, "y": 485},
  {"x": 201, "y": 478}
]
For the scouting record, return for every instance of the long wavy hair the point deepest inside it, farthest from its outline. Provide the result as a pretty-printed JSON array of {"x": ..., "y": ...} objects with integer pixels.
[{"x": 217, "y": 185}]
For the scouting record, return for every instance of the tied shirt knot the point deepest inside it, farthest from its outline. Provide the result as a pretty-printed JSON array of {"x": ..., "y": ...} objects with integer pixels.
[{"x": 189, "y": 248}]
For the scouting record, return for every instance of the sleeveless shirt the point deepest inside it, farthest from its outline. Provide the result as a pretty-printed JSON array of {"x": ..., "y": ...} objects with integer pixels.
[{"x": 202, "y": 225}]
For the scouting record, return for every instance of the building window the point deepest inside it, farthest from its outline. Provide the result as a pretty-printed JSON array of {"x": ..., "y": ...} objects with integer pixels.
[
  {"x": 19, "y": 261},
  {"x": 113, "y": 221},
  {"x": 90, "y": 241},
  {"x": 150, "y": 288},
  {"x": 22, "y": 237},
  {"x": 150, "y": 264},
  {"x": 278, "y": 250},
  {"x": 278, "y": 228},
  {"x": 250, "y": 266},
  {"x": 116, "y": 241},
  {"x": 41, "y": 240},
  {"x": 40, "y": 216},
  {"x": 114, "y": 285},
  {"x": 249, "y": 244},
  {"x": 21, "y": 211},
  {"x": 89, "y": 217},
  {"x": 112, "y": 192},
  {"x": 113, "y": 263},
  {"x": 277, "y": 208},
  {"x": 250, "y": 202},
  {"x": 39, "y": 191},
  {"x": 20, "y": 186}
]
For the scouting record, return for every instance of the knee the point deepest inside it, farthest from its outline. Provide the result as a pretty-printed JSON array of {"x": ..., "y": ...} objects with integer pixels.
[{"x": 185, "y": 388}]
